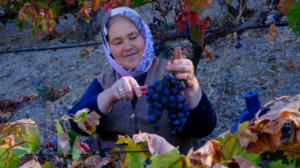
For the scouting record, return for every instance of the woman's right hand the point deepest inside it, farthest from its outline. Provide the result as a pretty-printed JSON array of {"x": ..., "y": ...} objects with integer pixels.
[{"x": 123, "y": 89}]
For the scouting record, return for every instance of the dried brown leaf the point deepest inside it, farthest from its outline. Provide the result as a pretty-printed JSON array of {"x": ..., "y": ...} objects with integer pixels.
[
  {"x": 208, "y": 52},
  {"x": 243, "y": 162},
  {"x": 264, "y": 133},
  {"x": 208, "y": 155},
  {"x": 64, "y": 143},
  {"x": 277, "y": 84},
  {"x": 291, "y": 65},
  {"x": 31, "y": 164},
  {"x": 271, "y": 38},
  {"x": 156, "y": 144},
  {"x": 89, "y": 123}
]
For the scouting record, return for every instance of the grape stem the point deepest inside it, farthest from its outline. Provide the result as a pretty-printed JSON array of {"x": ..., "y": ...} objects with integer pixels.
[{"x": 223, "y": 147}]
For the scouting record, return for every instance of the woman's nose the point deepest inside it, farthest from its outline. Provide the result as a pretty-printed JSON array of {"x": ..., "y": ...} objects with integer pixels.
[{"x": 127, "y": 45}]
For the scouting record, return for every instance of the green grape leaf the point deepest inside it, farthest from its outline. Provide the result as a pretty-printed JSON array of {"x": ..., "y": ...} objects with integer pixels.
[
  {"x": 232, "y": 143},
  {"x": 96, "y": 5},
  {"x": 131, "y": 159},
  {"x": 72, "y": 136},
  {"x": 87, "y": 18},
  {"x": 76, "y": 152},
  {"x": 278, "y": 164},
  {"x": 21, "y": 25},
  {"x": 8, "y": 159},
  {"x": 58, "y": 127},
  {"x": 48, "y": 165},
  {"x": 229, "y": 1},
  {"x": 64, "y": 143},
  {"x": 81, "y": 114},
  {"x": 20, "y": 151},
  {"x": 195, "y": 33},
  {"x": 294, "y": 18},
  {"x": 30, "y": 133},
  {"x": 171, "y": 159}
]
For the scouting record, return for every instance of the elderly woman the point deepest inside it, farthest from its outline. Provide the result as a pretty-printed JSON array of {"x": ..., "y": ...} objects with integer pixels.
[{"x": 128, "y": 45}]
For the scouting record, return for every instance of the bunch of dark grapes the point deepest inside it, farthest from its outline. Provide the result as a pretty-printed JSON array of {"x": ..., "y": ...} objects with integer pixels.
[
  {"x": 188, "y": 32},
  {"x": 167, "y": 94},
  {"x": 278, "y": 16}
]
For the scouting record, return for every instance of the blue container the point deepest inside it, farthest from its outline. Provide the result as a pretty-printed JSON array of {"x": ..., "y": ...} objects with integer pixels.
[{"x": 248, "y": 113}]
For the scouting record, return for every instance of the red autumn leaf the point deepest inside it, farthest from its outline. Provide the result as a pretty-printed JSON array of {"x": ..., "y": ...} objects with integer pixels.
[
  {"x": 181, "y": 21},
  {"x": 277, "y": 84},
  {"x": 97, "y": 73},
  {"x": 71, "y": 2},
  {"x": 203, "y": 27},
  {"x": 291, "y": 64},
  {"x": 285, "y": 6},
  {"x": 8, "y": 103},
  {"x": 193, "y": 18},
  {"x": 66, "y": 89},
  {"x": 19, "y": 98},
  {"x": 207, "y": 3},
  {"x": 107, "y": 7},
  {"x": 96, "y": 5},
  {"x": 38, "y": 33}
]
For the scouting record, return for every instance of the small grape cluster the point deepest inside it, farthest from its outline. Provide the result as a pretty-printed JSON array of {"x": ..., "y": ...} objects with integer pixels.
[
  {"x": 188, "y": 32},
  {"x": 168, "y": 6},
  {"x": 167, "y": 94},
  {"x": 277, "y": 17},
  {"x": 159, "y": 47}
]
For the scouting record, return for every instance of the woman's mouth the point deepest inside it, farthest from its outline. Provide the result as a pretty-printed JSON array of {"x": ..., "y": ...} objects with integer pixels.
[{"x": 130, "y": 55}]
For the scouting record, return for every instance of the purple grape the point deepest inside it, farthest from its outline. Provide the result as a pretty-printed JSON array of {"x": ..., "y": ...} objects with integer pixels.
[
  {"x": 187, "y": 114},
  {"x": 171, "y": 98},
  {"x": 150, "y": 92},
  {"x": 179, "y": 106},
  {"x": 179, "y": 129},
  {"x": 174, "y": 81},
  {"x": 180, "y": 115},
  {"x": 173, "y": 105},
  {"x": 160, "y": 88},
  {"x": 152, "y": 119},
  {"x": 159, "y": 107},
  {"x": 186, "y": 108},
  {"x": 156, "y": 126},
  {"x": 151, "y": 106},
  {"x": 166, "y": 91},
  {"x": 173, "y": 116},
  {"x": 155, "y": 96},
  {"x": 149, "y": 112},
  {"x": 183, "y": 121},
  {"x": 149, "y": 100},
  {"x": 156, "y": 82},
  {"x": 181, "y": 86},
  {"x": 176, "y": 122},
  {"x": 175, "y": 91},
  {"x": 168, "y": 76},
  {"x": 184, "y": 100},
  {"x": 170, "y": 121},
  {"x": 179, "y": 99},
  {"x": 158, "y": 114},
  {"x": 164, "y": 100},
  {"x": 164, "y": 83},
  {"x": 173, "y": 132}
]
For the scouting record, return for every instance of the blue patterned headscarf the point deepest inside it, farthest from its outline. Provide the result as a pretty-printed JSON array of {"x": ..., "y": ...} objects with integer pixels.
[{"x": 147, "y": 58}]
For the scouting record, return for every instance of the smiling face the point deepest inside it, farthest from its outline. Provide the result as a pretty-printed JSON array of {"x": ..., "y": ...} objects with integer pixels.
[{"x": 126, "y": 42}]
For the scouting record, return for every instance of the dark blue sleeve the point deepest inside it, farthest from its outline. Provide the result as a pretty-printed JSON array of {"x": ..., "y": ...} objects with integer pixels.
[
  {"x": 88, "y": 100},
  {"x": 202, "y": 120}
]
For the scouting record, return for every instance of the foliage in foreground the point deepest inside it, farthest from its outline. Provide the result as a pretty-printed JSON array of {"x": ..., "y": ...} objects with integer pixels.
[{"x": 271, "y": 140}]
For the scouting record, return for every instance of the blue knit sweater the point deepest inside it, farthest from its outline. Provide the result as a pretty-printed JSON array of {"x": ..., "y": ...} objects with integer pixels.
[{"x": 200, "y": 123}]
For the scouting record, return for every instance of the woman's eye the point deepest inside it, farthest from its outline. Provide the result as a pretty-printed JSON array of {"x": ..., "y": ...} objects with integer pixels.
[{"x": 134, "y": 37}]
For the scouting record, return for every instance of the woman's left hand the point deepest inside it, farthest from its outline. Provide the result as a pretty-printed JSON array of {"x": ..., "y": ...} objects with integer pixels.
[{"x": 185, "y": 71}]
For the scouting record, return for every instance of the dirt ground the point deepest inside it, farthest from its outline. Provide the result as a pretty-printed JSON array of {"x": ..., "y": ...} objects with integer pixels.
[{"x": 253, "y": 67}]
